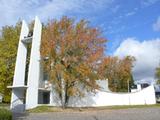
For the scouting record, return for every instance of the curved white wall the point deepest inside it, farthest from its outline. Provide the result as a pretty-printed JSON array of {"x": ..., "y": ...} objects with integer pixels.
[
  {"x": 104, "y": 97},
  {"x": 145, "y": 96}
]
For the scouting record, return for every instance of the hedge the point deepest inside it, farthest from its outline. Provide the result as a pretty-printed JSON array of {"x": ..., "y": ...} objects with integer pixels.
[{"x": 5, "y": 114}]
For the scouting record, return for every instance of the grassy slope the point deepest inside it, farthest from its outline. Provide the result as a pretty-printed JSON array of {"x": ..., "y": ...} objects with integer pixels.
[{"x": 59, "y": 109}]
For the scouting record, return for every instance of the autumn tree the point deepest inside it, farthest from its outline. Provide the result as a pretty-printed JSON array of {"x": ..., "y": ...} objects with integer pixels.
[
  {"x": 118, "y": 72},
  {"x": 70, "y": 53},
  {"x": 8, "y": 50}
]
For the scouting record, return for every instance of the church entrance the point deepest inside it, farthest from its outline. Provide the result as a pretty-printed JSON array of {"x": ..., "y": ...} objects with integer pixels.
[{"x": 43, "y": 97}]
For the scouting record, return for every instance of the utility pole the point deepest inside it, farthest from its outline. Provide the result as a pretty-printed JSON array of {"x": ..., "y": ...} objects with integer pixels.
[{"x": 128, "y": 85}]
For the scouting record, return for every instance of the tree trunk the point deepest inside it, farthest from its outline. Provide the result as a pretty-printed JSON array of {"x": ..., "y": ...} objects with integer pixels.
[{"x": 63, "y": 100}]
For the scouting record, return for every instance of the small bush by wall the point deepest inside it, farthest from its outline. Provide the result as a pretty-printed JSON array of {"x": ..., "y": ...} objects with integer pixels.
[{"x": 5, "y": 114}]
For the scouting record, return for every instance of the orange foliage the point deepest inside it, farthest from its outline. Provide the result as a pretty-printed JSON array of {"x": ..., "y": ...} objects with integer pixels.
[
  {"x": 73, "y": 51},
  {"x": 118, "y": 71}
]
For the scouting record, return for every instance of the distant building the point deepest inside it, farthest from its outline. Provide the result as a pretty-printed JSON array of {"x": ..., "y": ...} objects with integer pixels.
[
  {"x": 139, "y": 87},
  {"x": 144, "y": 85},
  {"x": 136, "y": 88}
]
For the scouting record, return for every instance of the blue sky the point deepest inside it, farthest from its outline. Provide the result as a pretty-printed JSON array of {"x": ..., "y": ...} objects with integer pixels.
[
  {"x": 132, "y": 27},
  {"x": 118, "y": 19}
]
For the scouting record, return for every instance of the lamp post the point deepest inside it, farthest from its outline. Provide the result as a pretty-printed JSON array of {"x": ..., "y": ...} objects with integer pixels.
[{"x": 128, "y": 85}]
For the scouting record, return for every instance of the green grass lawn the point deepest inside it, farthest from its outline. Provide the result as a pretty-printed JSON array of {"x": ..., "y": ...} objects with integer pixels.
[
  {"x": 4, "y": 105},
  {"x": 59, "y": 109},
  {"x": 5, "y": 114}
]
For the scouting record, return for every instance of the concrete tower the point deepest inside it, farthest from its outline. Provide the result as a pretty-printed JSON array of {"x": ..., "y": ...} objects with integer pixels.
[{"x": 26, "y": 96}]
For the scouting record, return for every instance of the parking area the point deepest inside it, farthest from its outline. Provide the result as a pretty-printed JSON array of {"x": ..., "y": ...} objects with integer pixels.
[{"x": 117, "y": 114}]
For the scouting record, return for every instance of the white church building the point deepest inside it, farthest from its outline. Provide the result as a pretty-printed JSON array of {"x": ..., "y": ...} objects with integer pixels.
[{"x": 37, "y": 90}]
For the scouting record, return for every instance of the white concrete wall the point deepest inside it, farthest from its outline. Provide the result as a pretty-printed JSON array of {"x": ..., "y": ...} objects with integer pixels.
[
  {"x": 17, "y": 104},
  {"x": 104, "y": 97},
  {"x": 145, "y": 96},
  {"x": 34, "y": 67},
  {"x": 40, "y": 97},
  {"x": 19, "y": 74}
]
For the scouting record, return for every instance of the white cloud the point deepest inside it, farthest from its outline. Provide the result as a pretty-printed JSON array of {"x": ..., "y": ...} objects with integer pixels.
[
  {"x": 12, "y": 10},
  {"x": 147, "y": 54},
  {"x": 130, "y": 13},
  {"x": 146, "y": 3},
  {"x": 156, "y": 25}
]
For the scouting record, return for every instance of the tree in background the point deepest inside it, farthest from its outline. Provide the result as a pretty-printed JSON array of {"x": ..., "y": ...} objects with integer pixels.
[
  {"x": 71, "y": 52},
  {"x": 9, "y": 40},
  {"x": 118, "y": 72},
  {"x": 8, "y": 51},
  {"x": 158, "y": 74}
]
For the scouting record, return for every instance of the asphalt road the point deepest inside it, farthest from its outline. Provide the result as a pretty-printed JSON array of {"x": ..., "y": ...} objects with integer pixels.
[{"x": 121, "y": 114}]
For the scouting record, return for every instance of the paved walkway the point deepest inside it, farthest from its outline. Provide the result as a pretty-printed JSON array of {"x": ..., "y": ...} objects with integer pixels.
[{"x": 121, "y": 114}]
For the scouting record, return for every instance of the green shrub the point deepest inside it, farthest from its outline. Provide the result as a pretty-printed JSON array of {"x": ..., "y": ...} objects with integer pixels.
[{"x": 5, "y": 114}]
